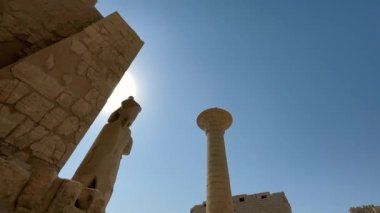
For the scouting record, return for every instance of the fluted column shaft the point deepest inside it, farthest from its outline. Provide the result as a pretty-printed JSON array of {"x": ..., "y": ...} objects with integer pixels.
[
  {"x": 218, "y": 181},
  {"x": 214, "y": 122}
]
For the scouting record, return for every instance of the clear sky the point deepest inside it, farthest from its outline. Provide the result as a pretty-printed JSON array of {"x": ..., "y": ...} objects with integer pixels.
[{"x": 301, "y": 79}]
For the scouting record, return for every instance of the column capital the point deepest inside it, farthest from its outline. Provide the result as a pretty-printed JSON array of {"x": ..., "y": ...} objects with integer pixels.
[{"x": 214, "y": 119}]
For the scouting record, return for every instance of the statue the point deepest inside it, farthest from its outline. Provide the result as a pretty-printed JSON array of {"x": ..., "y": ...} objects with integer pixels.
[{"x": 100, "y": 166}]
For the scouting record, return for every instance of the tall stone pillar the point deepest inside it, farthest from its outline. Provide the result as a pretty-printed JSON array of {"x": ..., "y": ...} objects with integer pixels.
[{"x": 214, "y": 122}]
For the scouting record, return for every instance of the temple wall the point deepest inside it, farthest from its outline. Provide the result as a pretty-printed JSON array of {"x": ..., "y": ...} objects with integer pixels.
[
  {"x": 59, "y": 62},
  {"x": 49, "y": 99},
  {"x": 255, "y": 203}
]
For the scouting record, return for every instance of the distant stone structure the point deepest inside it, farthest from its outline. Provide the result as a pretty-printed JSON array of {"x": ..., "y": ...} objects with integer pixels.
[
  {"x": 366, "y": 209},
  {"x": 59, "y": 62},
  {"x": 255, "y": 203},
  {"x": 214, "y": 122}
]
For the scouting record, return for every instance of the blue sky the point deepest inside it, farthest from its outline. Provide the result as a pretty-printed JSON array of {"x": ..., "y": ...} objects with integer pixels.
[{"x": 301, "y": 79}]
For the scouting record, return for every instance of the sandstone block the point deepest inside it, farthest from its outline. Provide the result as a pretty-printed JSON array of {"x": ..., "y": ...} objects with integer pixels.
[
  {"x": 94, "y": 75},
  {"x": 6, "y": 88},
  {"x": 35, "y": 106},
  {"x": 42, "y": 177},
  {"x": 78, "y": 47},
  {"x": 21, "y": 130},
  {"x": 94, "y": 34},
  {"x": 103, "y": 87},
  {"x": 66, "y": 196},
  {"x": 9, "y": 120},
  {"x": 82, "y": 68},
  {"x": 35, "y": 134},
  {"x": 53, "y": 118},
  {"x": 81, "y": 108},
  {"x": 12, "y": 179},
  {"x": 68, "y": 126},
  {"x": 36, "y": 78},
  {"x": 50, "y": 148},
  {"x": 65, "y": 99},
  {"x": 20, "y": 91},
  {"x": 92, "y": 96},
  {"x": 90, "y": 59}
]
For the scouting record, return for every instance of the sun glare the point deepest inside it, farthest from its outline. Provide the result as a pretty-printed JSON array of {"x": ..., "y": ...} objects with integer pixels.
[{"x": 125, "y": 88}]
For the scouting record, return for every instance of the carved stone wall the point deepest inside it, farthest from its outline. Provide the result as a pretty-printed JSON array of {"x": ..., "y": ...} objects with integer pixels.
[
  {"x": 59, "y": 62},
  {"x": 258, "y": 203}
]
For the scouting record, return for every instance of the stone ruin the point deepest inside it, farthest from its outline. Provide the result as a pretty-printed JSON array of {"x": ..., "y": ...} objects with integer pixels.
[
  {"x": 365, "y": 209},
  {"x": 261, "y": 202},
  {"x": 59, "y": 62}
]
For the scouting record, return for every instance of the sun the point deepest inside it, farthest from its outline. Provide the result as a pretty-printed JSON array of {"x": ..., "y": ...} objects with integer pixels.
[{"x": 125, "y": 88}]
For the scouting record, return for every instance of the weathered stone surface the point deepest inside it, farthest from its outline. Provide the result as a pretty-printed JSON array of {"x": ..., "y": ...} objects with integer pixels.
[
  {"x": 21, "y": 130},
  {"x": 23, "y": 210},
  {"x": 82, "y": 68},
  {"x": 89, "y": 199},
  {"x": 35, "y": 106},
  {"x": 30, "y": 137},
  {"x": 38, "y": 79},
  {"x": 78, "y": 47},
  {"x": 42, "y": 176},
  {"x": 9, "y": 120},
  {"x": 69, "y": 126},
  {"x": 102, "y": 161},
  {"x": 6, "y": 88},
  {"x": 20, "y": 91},
  {"x": 12, "y": 179},
  {"x": 98, "y": 205},
  {"x": 54, "y": 118},
  {"x": 94, "y": 75},
  {"x": 261, "y": 202},
  {"x": 49, "y": 64},
  {"x": 51, "y": 148},
  {"x": 67, "y": 79},
  {"x": 81, "y": 108},
  {"x": 33, "y": 25},
  {"x": 65, "y": 99},
  {"x": 103, "y": 86},
  {"x": 59, "y": 90},
  {"x": 66, "y": 196},
  {"x": 92, "y": 97},
  {"x": 215, "y": 122}
]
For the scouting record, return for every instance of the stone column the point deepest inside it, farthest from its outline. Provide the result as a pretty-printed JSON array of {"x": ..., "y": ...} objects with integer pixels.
[{"x": 214, "y": 122}]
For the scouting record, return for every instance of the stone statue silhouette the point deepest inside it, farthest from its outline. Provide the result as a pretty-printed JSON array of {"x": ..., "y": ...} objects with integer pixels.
[{"x": 100, "y": 166}]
